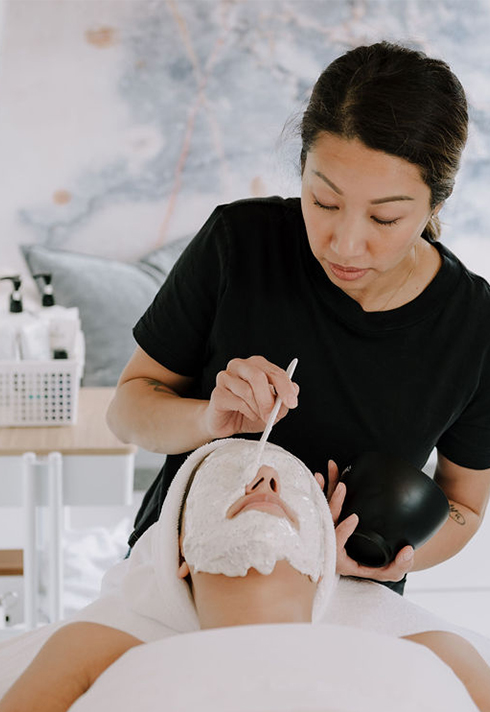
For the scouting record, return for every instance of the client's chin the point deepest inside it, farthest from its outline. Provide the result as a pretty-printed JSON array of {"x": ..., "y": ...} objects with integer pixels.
[{"x": 283, "y": 596}]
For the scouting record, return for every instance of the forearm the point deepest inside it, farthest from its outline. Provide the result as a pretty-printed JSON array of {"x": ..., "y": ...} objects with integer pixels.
[
  {"x": 149, "y": 414},
  {"x": 51, "y": 683},
  {"x": 465, "y": 661},
  {"x": 66, "y": 666},
  {"x": 462, "y": 524}
]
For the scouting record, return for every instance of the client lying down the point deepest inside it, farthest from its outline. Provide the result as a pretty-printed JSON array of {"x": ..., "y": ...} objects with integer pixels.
[{"x": 254, "y": 548}]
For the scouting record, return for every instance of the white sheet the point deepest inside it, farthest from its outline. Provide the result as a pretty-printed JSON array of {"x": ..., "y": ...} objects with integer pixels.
[
  {"x": 278, "y": 668},
  {"x": 365, "y": 605}
]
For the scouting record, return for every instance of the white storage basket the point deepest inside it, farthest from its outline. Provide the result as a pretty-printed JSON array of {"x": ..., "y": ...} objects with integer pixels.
[{"x": 41, "y": 392}]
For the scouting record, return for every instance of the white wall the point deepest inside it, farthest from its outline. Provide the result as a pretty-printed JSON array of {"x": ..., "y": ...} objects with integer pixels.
[{"x": 123, "y": 123}]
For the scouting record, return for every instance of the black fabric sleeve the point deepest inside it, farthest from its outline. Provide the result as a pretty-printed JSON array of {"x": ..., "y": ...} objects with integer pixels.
[
  {"x": 467, "y": 441},
  {"x": 175, "y": 328}
]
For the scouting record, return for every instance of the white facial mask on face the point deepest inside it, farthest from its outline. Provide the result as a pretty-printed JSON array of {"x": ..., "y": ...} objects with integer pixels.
[{"x": 252, "y": 538}]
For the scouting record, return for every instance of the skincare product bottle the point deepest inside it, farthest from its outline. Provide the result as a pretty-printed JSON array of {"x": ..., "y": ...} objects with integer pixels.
[
  {"x": 64, "y": 322},
  {"x": 22, "y": 334},
  {"x": 9, "y": 341},
  {"x": 11, "y": 321},
  {"x": 34, "y": 341}
]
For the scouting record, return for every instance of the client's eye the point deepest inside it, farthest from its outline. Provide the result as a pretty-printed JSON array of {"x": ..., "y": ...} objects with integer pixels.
[{"x": 324, "y": 207}]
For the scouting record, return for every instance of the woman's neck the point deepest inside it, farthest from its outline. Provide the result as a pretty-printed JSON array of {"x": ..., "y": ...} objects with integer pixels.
[
  {"x": 285, "y": 596},
  {"x": 417, "y": 273}
]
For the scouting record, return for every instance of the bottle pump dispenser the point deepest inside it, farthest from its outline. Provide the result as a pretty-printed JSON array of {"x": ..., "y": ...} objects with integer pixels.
[
  {"x": 20, "y": 335},
  {"x": 15, "y": 306},
  {"x": 47, "y": 289},
  {"x": 63, "y": 322}
]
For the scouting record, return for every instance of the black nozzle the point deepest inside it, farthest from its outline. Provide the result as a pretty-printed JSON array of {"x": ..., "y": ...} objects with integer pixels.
[
  {"x": 15, "y": 279},
  {"x": 47, "y": 295},
  {"x": 15, "y": 298}
]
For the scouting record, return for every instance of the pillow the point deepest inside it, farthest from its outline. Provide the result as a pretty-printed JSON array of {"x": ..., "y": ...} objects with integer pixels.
[
  {"x": 278, "y": 668},
  {"x": 110, "y": 295}
]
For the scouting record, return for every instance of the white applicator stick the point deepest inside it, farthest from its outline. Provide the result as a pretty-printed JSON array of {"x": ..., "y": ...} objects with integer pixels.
[{"x": 272, "y": 417}]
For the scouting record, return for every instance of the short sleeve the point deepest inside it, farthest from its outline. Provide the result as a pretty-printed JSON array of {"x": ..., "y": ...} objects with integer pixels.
[
  {"x": 467, "y": 441},
  {"x": 174, "y": 329}
]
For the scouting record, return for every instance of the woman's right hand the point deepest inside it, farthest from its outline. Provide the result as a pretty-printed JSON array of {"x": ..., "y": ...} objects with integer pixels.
[{"x": 244, "y": 396}]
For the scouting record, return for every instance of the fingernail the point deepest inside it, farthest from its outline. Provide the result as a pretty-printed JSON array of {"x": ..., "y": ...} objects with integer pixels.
[{"x": 407, "y": 555}]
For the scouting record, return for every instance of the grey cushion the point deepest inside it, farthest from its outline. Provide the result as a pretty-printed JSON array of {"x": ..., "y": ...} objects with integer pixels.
[{"x": 110, "y": 295}]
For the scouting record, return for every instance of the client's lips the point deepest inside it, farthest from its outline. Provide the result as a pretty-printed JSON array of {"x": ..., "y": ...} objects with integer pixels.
[
  {"x": 268, "y": 502},
  {"x": 347, "y": 274}
]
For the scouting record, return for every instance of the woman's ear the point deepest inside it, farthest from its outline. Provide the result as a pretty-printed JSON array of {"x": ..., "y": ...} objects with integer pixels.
[
  {"x": 183, "y": 570},
  {"x": 436, "y": 209}
]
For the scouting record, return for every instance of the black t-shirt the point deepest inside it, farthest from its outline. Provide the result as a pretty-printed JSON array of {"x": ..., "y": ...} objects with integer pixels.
[{"x": 402, "y": 381}]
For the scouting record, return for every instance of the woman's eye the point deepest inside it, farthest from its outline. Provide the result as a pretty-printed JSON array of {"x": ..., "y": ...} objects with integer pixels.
[
  {"x": 385, "y": 222},
  {"x": 325, "y": 207}
]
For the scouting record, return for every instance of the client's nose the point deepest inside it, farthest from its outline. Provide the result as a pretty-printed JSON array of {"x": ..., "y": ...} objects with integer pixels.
[{"x": 265, "y": 479}]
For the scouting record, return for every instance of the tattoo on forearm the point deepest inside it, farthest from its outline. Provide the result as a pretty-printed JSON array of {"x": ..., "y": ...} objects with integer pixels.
[
  {"x": 456, "y": 515},
  {"x": 159, "y": 387}
]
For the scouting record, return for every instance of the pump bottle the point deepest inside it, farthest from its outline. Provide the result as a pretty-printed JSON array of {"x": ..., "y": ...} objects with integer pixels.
[
  {"x": 22, "y": 335},
  {"x": 9, "y": 325},
  {"x": 63, "y": 322}
]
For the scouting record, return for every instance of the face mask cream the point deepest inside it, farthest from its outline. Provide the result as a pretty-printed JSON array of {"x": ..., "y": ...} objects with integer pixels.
[{"x": 252, "y": 538}]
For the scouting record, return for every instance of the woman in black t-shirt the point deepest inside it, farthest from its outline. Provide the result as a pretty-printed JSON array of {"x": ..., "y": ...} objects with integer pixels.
[{"x": 345, "y": 282}]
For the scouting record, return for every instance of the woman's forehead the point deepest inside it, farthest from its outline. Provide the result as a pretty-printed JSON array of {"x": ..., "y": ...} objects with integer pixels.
[{"x": 347, "y": 161}]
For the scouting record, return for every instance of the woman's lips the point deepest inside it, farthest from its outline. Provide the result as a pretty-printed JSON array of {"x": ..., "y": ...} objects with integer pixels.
[
  {"x": 347, "y": 274},
  {"x": 271, "y": 503}
]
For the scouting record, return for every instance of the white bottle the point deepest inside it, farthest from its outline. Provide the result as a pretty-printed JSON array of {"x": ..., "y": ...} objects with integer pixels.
[
  {"x": 64, "y": 322},
  {"x": 12, "y": 322},
  {"x": 34, "y": 341},
  {"x": 9, "y": 341}
]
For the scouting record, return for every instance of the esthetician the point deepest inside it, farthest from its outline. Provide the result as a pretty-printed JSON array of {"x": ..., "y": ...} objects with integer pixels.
[{"x": 390, "y": 329}]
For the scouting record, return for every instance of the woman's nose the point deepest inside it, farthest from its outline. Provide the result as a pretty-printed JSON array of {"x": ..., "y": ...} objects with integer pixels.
[
  {"x": 348, "y": 238},
  {"x": 266, "y": 479}
]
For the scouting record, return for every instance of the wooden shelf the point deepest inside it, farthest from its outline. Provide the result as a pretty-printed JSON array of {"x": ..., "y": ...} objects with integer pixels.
[
  {"x": 11, "y": 562},
  {"x": 90, "y": 435}
]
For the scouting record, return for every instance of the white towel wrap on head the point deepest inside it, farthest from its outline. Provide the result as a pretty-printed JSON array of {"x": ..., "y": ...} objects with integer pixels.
[
  {"x": 151, "y": 587},
  {"x": 143, "y": 596}
]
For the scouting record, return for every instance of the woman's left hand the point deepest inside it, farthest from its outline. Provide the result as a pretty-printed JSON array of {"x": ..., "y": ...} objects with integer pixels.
[{"x": 346, "y": 566}]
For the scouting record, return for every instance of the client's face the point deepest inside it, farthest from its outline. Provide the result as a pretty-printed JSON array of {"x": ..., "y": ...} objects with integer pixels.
[{"x": 237, "y": 519}]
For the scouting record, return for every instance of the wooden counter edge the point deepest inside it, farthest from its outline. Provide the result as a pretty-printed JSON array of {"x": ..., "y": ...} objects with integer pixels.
[{"x": 68, "y": 452}]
